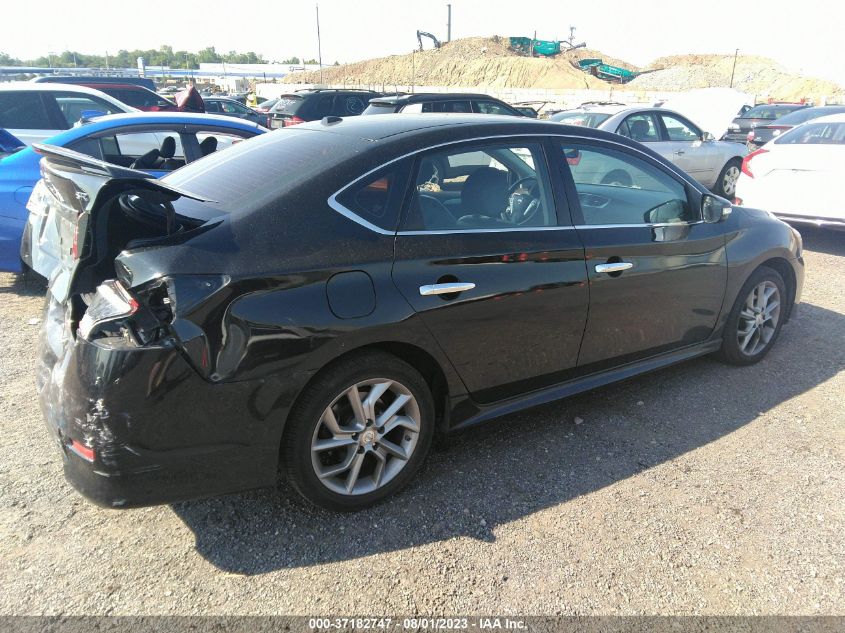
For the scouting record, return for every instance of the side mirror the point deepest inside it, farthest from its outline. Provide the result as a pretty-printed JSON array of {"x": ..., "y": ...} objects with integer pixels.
[
  {"x": 706, "y": 136},
  {"x": 714, "y": 209}
]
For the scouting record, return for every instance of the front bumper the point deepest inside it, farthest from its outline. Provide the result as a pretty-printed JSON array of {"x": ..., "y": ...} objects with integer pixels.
[{"x": 160, "y": 433}]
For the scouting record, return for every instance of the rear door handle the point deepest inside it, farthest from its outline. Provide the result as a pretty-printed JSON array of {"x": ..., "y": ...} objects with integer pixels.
[
  {"x": 613, "y": 267},
  {"x": 680, "y": 152},
  {"x": 444, "y": 289}
]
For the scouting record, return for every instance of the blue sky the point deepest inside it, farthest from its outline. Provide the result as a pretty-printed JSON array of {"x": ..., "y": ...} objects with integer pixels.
[{"x": 804, "y": 35}]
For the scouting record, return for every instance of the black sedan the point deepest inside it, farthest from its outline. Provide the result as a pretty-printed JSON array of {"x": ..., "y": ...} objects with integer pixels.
[
  {"x": 231, "y": 107},
  {"x": 321, "y": 301},
  {"x": 758, "y": 115}
]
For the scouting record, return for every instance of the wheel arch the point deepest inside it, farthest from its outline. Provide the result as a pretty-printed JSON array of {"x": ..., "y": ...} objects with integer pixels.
[
  {"x": 784, "y": 269},
  {"x": 423, "y": 361}
]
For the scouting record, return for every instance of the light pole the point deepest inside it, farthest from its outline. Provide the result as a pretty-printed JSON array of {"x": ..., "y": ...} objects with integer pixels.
[
  {"x": 733, "y": 70},
  {"x": 319, "y": 45}
]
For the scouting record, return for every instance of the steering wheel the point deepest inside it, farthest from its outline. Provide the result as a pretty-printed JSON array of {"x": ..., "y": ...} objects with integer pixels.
[{"x": 529, "y": 212}]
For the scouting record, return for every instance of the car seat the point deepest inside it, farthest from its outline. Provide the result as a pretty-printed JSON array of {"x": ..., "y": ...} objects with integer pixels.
[{"x": 208, "y": 145}]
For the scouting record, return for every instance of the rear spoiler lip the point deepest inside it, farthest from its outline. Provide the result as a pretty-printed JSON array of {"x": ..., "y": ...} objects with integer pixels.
[{"x": 66, "y": 156}]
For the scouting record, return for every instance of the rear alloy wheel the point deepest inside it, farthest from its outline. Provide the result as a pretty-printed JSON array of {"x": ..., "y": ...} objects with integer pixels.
[
  {"x": 726, "y": 185},
  {"x": 359, "y": 433},
  {"x": 755, "y": 320}
]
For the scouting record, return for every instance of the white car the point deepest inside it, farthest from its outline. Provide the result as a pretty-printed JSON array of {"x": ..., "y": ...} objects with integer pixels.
[
  {"x": 798, "y": 176},
  {"x": 715, "y": 164},
  {"x": 33, "y": 112}
]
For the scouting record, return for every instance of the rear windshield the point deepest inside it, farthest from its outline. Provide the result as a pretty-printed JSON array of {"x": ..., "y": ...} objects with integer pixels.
[
  {"x": 586, "y": 119},
  {"x": 254, "y": 172},
  {"x": 805, "y": 114},
  {"x": 769, "y": 112},
  {"x": 288, "y": 104},
  {"x": 380, "y": 108},
  {"x": 815, "y": 134}
]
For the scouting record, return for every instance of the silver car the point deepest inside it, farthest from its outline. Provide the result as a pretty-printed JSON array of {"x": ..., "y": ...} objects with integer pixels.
[{"x": 715, "y": 164}]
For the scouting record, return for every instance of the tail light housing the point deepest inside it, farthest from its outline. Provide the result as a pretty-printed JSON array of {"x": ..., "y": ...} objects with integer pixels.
[
  {"x": 294, "y": 120},
  {"x": 110, "y": 303},
  {"x": 746, "y": 162}
]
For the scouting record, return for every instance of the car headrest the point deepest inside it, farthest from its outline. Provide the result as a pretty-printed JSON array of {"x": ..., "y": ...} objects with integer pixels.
[
  {"x": 208, "y": 145},
  {"x": 485, "y": 192},
  {"x": 168, "y": 147}
]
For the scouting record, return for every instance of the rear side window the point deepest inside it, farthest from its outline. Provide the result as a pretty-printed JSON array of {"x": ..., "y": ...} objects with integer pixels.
[
  {"x": 74, "y": 105},
  {"x": 24, "y": 111},
  {"x": 640, "y": 127},
  {"x": 378, "y": 198},
  {"x": 352, "y": 105},
  {"x": 490, "y": 107},
  {"x": 447, "y": 106}
]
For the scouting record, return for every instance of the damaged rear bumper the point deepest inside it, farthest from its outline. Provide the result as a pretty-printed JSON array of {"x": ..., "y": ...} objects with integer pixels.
[{"x": 158, "y": 431}]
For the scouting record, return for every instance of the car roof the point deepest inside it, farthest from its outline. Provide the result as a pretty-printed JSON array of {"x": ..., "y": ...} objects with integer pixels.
[
  {"x": 377, "y": 128},
  {"x": 603, "y": 109},
  {"x": 50, "y": 87},
  {"x": 421, "y": 97}
]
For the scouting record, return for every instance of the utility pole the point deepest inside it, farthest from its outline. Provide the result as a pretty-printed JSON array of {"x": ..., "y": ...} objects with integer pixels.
[
  {"x": 449, "y": 23},
  {"x": 319, "y": 45},
  {"x": 733, "y": 70},
  {"x": 107, "y": 60}
]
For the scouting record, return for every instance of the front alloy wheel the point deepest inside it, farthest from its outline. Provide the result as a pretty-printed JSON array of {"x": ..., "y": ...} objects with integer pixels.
[
  {"x": 758, "y": 320},
  {"x": 728, "y": 178}
]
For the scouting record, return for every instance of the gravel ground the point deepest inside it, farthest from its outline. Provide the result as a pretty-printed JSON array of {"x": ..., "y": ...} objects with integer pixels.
[{"x": 701, "y": 489}]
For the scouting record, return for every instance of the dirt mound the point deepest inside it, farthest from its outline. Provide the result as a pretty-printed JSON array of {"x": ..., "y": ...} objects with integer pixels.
[
  {"x": 469, "y": 62},
  {"x": 754, "y": 75}
]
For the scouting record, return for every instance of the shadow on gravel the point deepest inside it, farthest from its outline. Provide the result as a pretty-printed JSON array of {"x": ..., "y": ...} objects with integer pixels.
[
  {"x": 823, "y": 241},
  {"x": 24, "y": 285},
  {"x": 523, "y": 463}
]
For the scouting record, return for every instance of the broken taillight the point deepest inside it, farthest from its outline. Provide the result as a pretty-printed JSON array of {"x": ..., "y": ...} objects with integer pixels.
[{"x": 111, "y": 302}]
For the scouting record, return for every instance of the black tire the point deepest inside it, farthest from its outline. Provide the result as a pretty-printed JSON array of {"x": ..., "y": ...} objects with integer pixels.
[
  {"x": 729, "y": 193},
  {"x": 731, "y": 351},
  {"x": 297, "y": 465}
]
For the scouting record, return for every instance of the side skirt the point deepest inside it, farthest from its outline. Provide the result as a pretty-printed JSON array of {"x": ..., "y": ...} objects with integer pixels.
[{"x": 466, "y": 412}]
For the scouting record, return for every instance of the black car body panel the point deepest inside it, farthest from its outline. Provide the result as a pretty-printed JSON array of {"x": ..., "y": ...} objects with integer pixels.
[{"x": 262, "y": 279}]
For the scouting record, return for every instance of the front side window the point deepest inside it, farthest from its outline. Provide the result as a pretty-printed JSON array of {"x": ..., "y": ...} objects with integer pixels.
[
  {"x": 73, "y": 105},
  {"x": 211, "y": 141},
  {"x": 640, "y": 127},
  {"x": 617, "y": 188},
  {"x": 159, "y": 151},
  {"x": 481, "y": 188},
  {"x": 679, "y": 130},
  {"x": 23, "y": 111}
]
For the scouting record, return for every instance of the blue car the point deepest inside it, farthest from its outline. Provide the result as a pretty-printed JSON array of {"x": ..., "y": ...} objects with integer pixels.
[{"x": 156, "y": 143}]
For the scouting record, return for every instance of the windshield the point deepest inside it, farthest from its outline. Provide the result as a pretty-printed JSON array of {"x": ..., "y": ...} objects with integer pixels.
[
  {"x": 768, "y": 112},
  {"x": 380, "y": 108},
  {"x": 585, "y": 119},
  {"x": 815, "y": 134},
  {"x": 288, "y": 104}
]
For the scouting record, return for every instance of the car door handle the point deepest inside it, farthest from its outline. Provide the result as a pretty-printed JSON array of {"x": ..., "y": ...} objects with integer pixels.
[
  {"x": 680, "y": 152},
  {"x": 613, "y": 267},
  {"x": 444, "y": 289}
]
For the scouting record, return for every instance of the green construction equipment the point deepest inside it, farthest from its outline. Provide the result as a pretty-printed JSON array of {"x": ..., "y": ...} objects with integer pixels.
[{"x": 598, "y": 68}]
